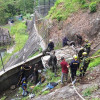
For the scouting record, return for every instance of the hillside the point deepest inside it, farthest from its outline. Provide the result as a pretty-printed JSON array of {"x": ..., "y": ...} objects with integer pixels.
[
  {"x": 66, "y": 18},
  {"x": 80, "y": 21}
]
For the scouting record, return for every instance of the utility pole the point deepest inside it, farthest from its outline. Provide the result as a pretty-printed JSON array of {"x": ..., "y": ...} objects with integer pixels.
[{"x": 2, "y": 61}]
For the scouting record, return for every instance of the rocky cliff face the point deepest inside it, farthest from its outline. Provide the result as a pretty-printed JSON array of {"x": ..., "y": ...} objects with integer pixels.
[
  {"x": 84, "y": 23},
  {"x": 4, "y": 37}
]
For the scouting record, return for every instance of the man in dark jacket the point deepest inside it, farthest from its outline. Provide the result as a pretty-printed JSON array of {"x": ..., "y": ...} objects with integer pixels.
[
  {"x": 53, "y": 62},
  {"x": 22, "y": 74},
  {"x": 74, "y": 65},
  {"x": 79, "y": 39},
  {"x": 50, "y": 45},
  {"x": 36, "y": 74},
  {"x": 65, "y": 41}
]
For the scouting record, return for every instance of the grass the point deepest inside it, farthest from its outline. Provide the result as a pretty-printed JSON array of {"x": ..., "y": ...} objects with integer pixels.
[
  {"x": 62, "y": 9},
  {"x": 37, "y": 90},
  {"x": 96, "y": 61},
  {"x": 18, "y": 32},
  {"x": 95, "y": 99},
  {"x": 3, "y": 98},
  {"x": 88, "y": 91}
]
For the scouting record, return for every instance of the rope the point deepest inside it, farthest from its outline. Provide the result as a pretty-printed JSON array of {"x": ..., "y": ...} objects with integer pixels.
[{"x": 75, "y": 88}]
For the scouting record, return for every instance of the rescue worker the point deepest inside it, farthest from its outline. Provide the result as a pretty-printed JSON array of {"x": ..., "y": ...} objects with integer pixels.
[
  {"x": 53, "y": 62},
  {"x": 74, "y": 65},
  {"x": 50, "y": 45},
  {"x": 65, "y": 41},
  {"x": 24, "y": 87},
  {"x": 36, "y": 74},
  {"x": 85, "y": 63},
  {"x": 80, "y": 53},
  {"x": 64, "y": 66},
  {"x": 87, "y": 47},
  {"x": 23, "y": 69},
  {"x": 79, "y": 39}
]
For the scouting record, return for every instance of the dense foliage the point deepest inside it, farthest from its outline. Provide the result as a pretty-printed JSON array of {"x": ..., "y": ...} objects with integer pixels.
[{"x": 10, "y": 8}]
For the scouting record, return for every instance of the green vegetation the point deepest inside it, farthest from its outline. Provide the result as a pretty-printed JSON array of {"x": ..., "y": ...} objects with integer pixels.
[
  {"x": 64, "y": 8},
  {"x": 18, "y": 31},
  {"x": 96, "y": 61},
  {"x": 95, "y": 98},
  {"x": 37, "y": 90},
  {"x": 92, "y": 7},
  {"x": 10, "y": 8},
  {"x": 88, "y": 91},
  {"x": 3, "y": 98}
]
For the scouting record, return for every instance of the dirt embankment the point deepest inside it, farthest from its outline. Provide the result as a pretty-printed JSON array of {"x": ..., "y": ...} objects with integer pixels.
[{"x": 84, "y": 23}]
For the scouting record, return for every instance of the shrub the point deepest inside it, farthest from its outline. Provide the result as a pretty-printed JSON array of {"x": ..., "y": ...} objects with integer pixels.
[
  {"x": 85, "y": 6},
  {"x": 45, "y": 92},
  {"x": 92, "y": 7},
  {"x": 59, "y": 17},
  {"x": 82, "y": 1},
  {"x": 88, "y": 91}
]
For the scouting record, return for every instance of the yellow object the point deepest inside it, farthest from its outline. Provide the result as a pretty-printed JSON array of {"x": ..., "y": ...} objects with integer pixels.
[
  {"x": 86, "y": 40},
  {"x": 84, "y": 53},
  {"x": 50, "y": 40},
  {"x": 75, "y": 57}
]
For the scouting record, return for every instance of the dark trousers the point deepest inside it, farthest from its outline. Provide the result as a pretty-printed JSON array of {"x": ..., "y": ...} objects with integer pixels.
[
  {"x": 88, "y": 51},
  {"x": 83, "y": 70},
  {"x": 20, "y": 77},
  {"x": 73, "y": 73},
  {"x": 54, "y": 69}
]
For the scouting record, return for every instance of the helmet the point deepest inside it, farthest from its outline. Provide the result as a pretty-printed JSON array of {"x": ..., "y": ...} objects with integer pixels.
[
  {"x": 75, "y": 57},
  {"x": 50, "y": 40},
  {"x": 84, "y": 53},
  {"x": 89, "y": 44},
  {"x": 86, "y": 40},
  {"x": 62, "y": 58}
]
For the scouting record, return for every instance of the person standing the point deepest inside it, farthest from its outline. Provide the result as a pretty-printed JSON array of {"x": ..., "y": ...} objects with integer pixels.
[
  {"x": 23, "y": 69},
  {"x": 36, "y": 74},
  {"x": 79, "y": 39},
  {"x": 85, "y": 63},
  {"x": 64, "y": 66},
  {"x": 87, "y": 46},
  {"x": 50, "y": 45},
  {"x": 74, "y": 65},
  {"x": 53, "y": 62}
]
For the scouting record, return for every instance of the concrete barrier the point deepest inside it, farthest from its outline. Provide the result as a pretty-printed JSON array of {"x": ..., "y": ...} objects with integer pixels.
[{"x": 10, "y": 76}]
